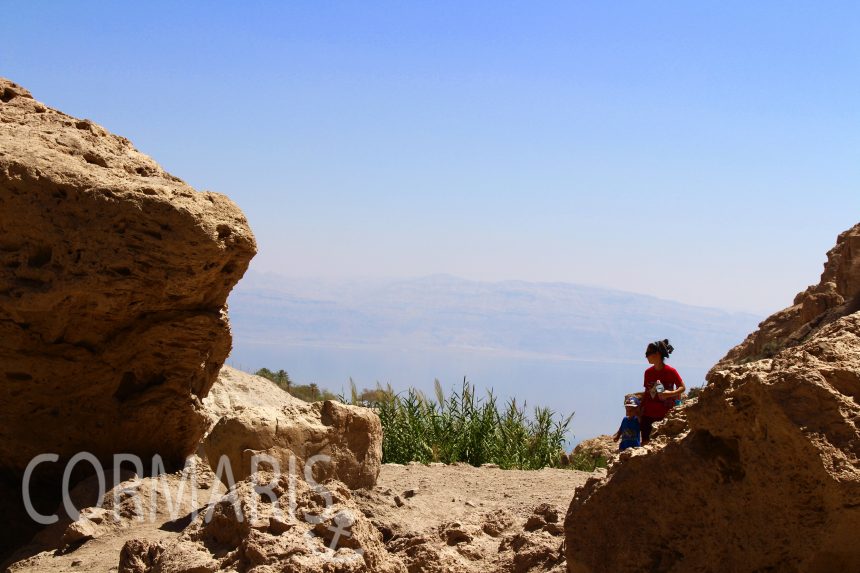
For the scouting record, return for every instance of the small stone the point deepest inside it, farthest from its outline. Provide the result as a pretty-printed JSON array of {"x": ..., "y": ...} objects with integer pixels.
[
  {"x": 278, "y": 526},
  {"x": 397, "y": 501},
  {"x": 497, "y": 521},
  {"x": 410, "y": 492},
  {"x": 470, "y": 504},
  {"x": 534, "y": 522},
  {"x": 79, "y": 531},
  {"x": 471, "y": 552},
  {"x": 454, "y": 534}
]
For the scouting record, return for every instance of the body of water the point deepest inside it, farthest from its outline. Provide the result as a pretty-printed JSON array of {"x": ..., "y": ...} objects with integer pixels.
[{"x": 593, "y": 390}]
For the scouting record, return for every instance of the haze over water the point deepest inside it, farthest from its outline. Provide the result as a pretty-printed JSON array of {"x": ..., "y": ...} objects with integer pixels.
[{"x": 569, "y": 347}]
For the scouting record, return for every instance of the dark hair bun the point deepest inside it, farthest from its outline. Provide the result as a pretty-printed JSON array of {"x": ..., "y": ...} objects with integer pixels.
[
  {"x": 668, "y": 347},
  {"x": 661, "y": 346}
]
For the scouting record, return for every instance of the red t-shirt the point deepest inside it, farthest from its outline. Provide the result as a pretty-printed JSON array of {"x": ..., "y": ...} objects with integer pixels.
[{"x": 655, "y": 407}]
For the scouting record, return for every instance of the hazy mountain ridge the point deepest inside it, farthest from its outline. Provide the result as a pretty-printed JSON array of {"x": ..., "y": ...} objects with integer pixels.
[{"x": 555, "y": 320}]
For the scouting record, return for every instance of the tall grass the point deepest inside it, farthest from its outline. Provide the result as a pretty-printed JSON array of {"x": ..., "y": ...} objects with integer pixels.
[{"x": 465, "y": 428}]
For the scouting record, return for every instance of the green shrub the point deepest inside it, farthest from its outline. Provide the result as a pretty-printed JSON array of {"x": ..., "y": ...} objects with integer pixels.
[{"x": 465, "y": 428}]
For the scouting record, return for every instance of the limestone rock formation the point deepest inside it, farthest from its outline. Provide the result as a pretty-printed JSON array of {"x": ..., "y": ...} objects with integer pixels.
[
  {"x": 271, "y": 523},
  {"x": 837, "y": 294},
  {"x": 282, "y": 426},
  {"x": 113, "y": 281},
  {"x": 235, "y": 390},
  {"x": 762, "y": 471},
  {"x": 601, "y": 447}
]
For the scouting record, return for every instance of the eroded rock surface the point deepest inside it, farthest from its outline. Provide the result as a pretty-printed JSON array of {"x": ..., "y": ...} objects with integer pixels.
[
  {"x": 289, "y": 527},
  {"x": 600, "y": 447},
  {"x": 113, "y": 280},
  {"x": 256, "y": 418},
  {"x": 837, "y": 294},
  {"x": 761, "y": 472},
  {"x": 147, "y": 509},
  {"x": 453, "y": 518}
]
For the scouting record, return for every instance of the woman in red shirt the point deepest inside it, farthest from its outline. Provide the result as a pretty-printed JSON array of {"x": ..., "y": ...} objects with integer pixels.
[{"x": 663, "y": 385}]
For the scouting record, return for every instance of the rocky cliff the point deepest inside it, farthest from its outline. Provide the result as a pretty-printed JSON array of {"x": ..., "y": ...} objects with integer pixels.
[
  {"x": 762, "y": 472},
  {"x": 114, "y": 276}
]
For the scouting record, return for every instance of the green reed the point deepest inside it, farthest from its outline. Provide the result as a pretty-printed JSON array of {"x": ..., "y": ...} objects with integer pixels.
[{"x": 465, "y": 428}]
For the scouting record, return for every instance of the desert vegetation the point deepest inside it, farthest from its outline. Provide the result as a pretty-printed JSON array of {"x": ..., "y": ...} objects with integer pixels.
[
  {"x": 461, "y": 427},
  {"x": 465, "y": 428},
  {"x": 307, "y": 392}
]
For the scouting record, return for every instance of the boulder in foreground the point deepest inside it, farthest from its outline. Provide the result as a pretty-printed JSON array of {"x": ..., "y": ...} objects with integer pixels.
[
  {"x": 114, "y": 276},
  {"x": 113, "y": 280}
]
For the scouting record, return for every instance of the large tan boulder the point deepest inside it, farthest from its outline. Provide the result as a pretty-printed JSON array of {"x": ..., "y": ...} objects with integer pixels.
[
  {"x": 235, "y": 390},
  {"x": 764, "y": 475},
  {"x": 600, "y": 447},
  {"x": 113, "y": 281},
  {"x": 254, "y": 417}
]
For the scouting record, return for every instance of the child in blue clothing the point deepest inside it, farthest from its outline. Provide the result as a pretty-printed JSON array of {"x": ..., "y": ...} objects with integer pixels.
[{"x": 629, "y": 430}]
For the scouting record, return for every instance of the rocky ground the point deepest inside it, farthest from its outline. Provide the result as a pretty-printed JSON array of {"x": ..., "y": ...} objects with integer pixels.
[
  {"x": 462, "y": 518},
  {"x": 428, "y": 518}
]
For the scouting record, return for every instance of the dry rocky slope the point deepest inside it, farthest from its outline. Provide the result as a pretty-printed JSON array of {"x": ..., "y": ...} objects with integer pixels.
[
  {"x": 415, "y": 518},
  {"x": 761, "y": 473},
  {"x": 113, "y": 281}
]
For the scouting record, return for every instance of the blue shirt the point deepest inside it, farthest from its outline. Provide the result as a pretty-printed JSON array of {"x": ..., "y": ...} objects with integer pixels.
[{"x": 629, "y": 433}]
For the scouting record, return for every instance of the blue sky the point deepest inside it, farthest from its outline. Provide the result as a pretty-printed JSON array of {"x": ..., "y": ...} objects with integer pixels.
[{"x": 700, "y": 151}]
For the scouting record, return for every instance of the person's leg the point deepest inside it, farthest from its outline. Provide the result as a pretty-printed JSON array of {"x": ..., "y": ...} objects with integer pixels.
[{"x": 645, "y": 424}]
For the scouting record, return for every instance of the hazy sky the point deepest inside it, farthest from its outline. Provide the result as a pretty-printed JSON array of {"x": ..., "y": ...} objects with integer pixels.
[{"x": 703, "y": 151}]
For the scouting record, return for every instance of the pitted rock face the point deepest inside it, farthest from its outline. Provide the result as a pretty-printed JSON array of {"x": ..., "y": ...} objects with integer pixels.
[
  {"x": 114, "y": 277},
  {"x": 765, "y": 475},
  {"x": 251, "y": 417},
  {"x": 271, "y": 522}
]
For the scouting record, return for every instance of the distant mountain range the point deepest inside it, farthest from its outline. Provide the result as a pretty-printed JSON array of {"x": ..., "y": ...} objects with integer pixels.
[{"x": 555, "y": 321}]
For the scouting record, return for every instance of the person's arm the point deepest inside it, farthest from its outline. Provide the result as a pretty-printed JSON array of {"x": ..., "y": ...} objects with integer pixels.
[{"x": 680, "y": 388}]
